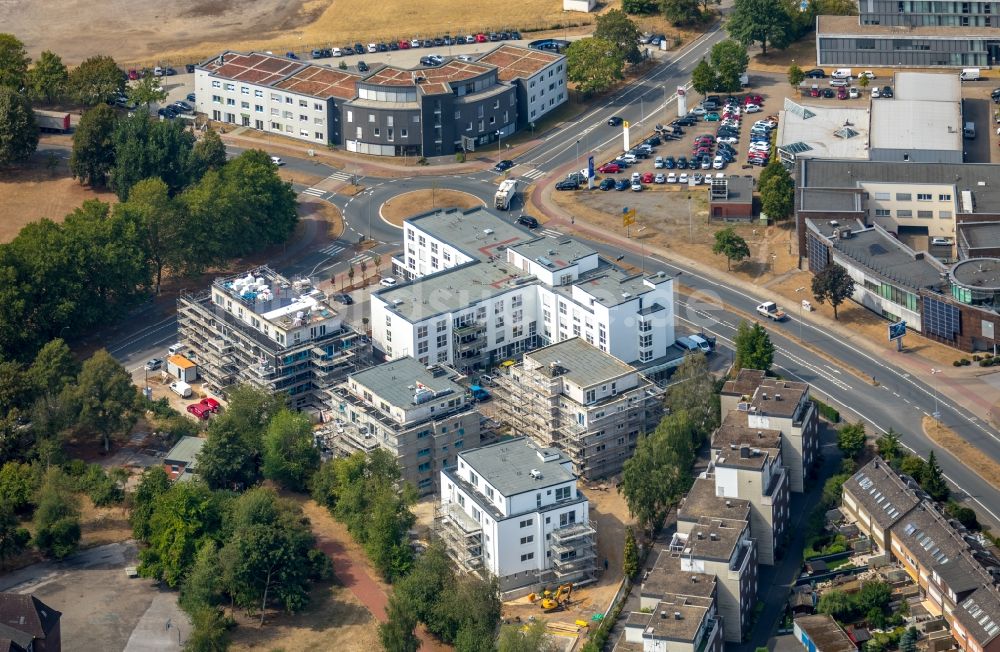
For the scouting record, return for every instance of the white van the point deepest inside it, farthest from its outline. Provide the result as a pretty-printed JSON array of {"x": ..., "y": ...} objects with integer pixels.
[
  {"x": 969, "y": 74},
  {"x": 841, "y": 73},
  {"x": 181, "y": 388},
  {"x": 174, "y": 349}
]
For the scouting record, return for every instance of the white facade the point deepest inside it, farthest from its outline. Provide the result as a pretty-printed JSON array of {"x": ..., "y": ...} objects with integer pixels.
[
  {"x": 930, "y": 205},
  {"x": 519, "y": 495},
  {"x": 264, "y": 108},
  {"x": 546, "y": 89}
]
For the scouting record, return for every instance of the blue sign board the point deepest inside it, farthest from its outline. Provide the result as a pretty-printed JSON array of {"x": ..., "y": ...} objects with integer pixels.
[
  {"x": 590, "y": 168},
  {"x": 897, "y": 330}
]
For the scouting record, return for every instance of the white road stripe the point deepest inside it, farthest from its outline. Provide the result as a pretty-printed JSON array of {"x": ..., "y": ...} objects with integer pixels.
[{"x": 315, "y": 192}]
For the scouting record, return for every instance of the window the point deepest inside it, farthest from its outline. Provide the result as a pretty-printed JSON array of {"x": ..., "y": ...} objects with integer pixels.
[
  {"x": 443, "y": 357},
  {"x": 527, "y": 539},
  {"x": 528, "y": 556},
  {"x": 230, "y": 101},
  {"x": 217, "y": 99},
  {"x": 944, "y": 197},
  {"x": 883, "y": 212},
  {"x": 442, "y": 326},
  {"x": 371, "y": 117},
  {"x": 259, "y": 108},
  {"x": 568, "y": 518},
  {"x": 903, "y": 196},
  {"x": 216, "y": 84},
  {"x": 244, "y": 90},
  {"x": 258, "y": 93},
  {"x": 289, "y": 100},
  {"x": 591, "y": 395},
  {"x": 377, "y": 134},
  {"x": 244, "y": 105},
  {"x": 945, "y": 215},
  {"x": 904, "y": 213},
  {"x": 527, "y": 522},
  {"x": 442, "y": 341},
  {"x": 924, "y": 196},
  {"x": 884, "y": 196},
  {"x": 303, "y": 118},
  {"x": 562, "y": 493},
  {"x": 403, "y": 133},
  {"x": 350, "y": 116},
  {"x": 317, "y": 106},
  {"x": 230, "y": 87},
  {"x": 925, "y": 214}
]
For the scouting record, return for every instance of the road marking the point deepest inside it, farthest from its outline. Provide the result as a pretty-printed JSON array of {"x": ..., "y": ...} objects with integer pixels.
[
  {"x": 534, "y": 173},
  {"x": 315, "y": 192},
  {"x": 549, "y": 233},
  {"x": 332, "y": 250},
  {"x": 341, "y": 176},
  {"x": 358, "y": 259}
]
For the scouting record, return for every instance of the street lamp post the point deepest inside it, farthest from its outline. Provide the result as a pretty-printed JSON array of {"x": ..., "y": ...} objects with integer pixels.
[
  {"x": 498, "y": 146},
  {"x": 937, "y": 413},
  {"x": 578, "y": 152},
  {"x": 371, "y": 198},
  {"x": 797, "y": 290}
]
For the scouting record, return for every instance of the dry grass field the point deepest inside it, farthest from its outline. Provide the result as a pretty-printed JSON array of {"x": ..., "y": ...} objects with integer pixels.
[
  {"x": 409, "y": 204},
  {"x": 145, "y": 31}
]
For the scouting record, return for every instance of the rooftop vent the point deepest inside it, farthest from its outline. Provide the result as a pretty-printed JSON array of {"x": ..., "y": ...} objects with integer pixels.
[
  {"x": 536, "y": 474},
  {"x": 701, "y": 535},
  {"x": 677, "y": 615},
  {"x": 488, "y": 231},
  {"x": 713, "y": 536}
]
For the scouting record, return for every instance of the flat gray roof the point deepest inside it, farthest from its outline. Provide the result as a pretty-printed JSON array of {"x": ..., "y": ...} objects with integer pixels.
[
  {"x": 982, "y": 274},
  {"x": 185, "y": 451},
  {"x": 613, "y": 286},
  {"x": 507, "y": 465},
  {"x": 927, "y": 86},
  {"x": 582, "y": 364},
  {"x": 825, "y": 633},
  {"x": 980, "y": 234},
  {"x": 916, "y": 124},
  {"x": 739, "y": 191},
  {"x": 451, "y": 289},
  {"x": 823, "y": 199},
  {"x": 981, "y": 179},
  {"x": 559, "y": 254},
  {"x": 885, "y": 255},
  {"x": 391, "y": 381},
  {"x": 477, "y": 232},
  {"x": 815, "y": 127}
]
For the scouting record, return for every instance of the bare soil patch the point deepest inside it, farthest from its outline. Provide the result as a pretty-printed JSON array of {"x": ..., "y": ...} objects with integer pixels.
[
  {"x": 973, "y": 458},
  {"x": 409, "y": 204},
  {"x": 102, "y": 525},
  {"x": 35, "y": 190}
]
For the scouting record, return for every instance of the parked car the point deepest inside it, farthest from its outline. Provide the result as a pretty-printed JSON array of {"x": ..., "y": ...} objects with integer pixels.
[
  {"x": 941, "y": 242},
  {"x": 752, "y": 108},
  {"x": 658, "y": 163},
  {"x": 503, "y": 165},
  {"x": 854, "y": 93},
  {"x": 189, "y": 67},
  {"x": 568, "y": 184},
  {"x": 886, "y": 91},
  {"x": 528, "y": 221},
  {"x": 868, "y": 74},
  {"x": 210, "y": 404},
  {"x": 607, "y": 183},
  {"x": 718, "y": 163},
  {"x": 277, "y": 161},
  {"x": 636, "y": 186},
  {"x": 669, "y": 162},
  {"x": 622, "y": 184},
  {"x": 876, "y": 93},
  {"x": 840, "y": 82},
  {"x": 712, "y": 117},
  {"x": 683, "y": 178},
  {"x": 672, "y": 177},
  {"x": 660, "y": 178},
  {"x": 814, "y": 92},
  {"x": 387, "y": 282},
  {"x": 167, "y": 112},
  {"x": 829, "y": 93},
  {"x": 153, "y": 364},
  {"x": 682, "y": 163},
  {"x": 190, "y": 97},
  {"x": 183, "y": 106},
  {"x": 359, "y": 49},
  {"x": 199, "y": 411},
  {"x": 816, "y": 73},
  {"x": 363, "y": 67},
  {"x": 647, "y": 177}
]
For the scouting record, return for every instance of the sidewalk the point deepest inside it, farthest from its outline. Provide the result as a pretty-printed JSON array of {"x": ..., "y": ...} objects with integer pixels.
[{"x": 964, "y": 386}]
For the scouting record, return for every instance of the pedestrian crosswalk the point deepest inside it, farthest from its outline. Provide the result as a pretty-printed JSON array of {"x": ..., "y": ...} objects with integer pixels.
[
  {"x": 549, "y": 233},
  {"x": 315, "y": 192},
  {"x": 341, "y": 176},
  {"x": 361, "y": 258},
  {"x": 533, "y": 173},
  {"x": 332, "y": 250}
]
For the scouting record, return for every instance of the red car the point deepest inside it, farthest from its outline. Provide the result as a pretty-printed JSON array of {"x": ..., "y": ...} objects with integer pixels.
[
  {"x": 404, "y": 45},
  {"x": 210, "y": 403},
  {"x": 482, "y": 38},
  {"x": 610, "y": 168},
  {"x": 199, "y": 411},
  {"x": 813, "y": 92},
  {"x": 133, "y": 73},
  {"x": 842, "y": 93},
  {"x": 753, "y": 99},
  {"x": 647, "y": 177}
]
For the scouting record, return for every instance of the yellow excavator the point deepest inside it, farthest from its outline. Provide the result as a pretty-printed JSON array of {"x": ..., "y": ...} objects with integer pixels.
[{"x": 558, "y": 600}]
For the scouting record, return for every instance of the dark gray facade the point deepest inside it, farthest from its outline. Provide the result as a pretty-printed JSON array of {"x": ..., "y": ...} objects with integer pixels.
[
  {"x": 850, "y": 41},
  {"x": 933, "y": 13}
]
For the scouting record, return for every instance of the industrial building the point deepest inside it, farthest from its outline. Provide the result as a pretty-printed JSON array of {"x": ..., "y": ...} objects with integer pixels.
[
  {"x": 512, "y": 510},
  {"x": 419, "y": 414},
  {"x": 386, "y": 111},
  {"x": 261, "y": 329},
  {"x": 587, "y": 403}
]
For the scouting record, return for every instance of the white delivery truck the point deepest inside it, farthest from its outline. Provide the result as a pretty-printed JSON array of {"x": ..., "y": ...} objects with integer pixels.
[
  {"x": 969, "y": 74},
  {"x": 181, "y": 388},
  {"x": 505, "y": 194}
]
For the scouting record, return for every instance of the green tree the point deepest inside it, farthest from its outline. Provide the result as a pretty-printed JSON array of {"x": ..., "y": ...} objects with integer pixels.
[
  {"x": 107, "y": 398},
  {"x": 772, "y": 169},
  {"x": 863, "y": 82},
  {"x": 835, "y": 603},
  {"x": 290, "y": 454},
  {"x": 146, "y": 92},
  {"x": 16, "y": 389},
  {"x": 152, "y": 484},
  {"x": 833, "y": 285},
  {"x": 398, "y": 633},
  {"x": 964, "y": 515},
  {"x": 703, "y": 78},
  {"x": 47, "y": 78},
  {"x": 731, "y": 245},
  {"x": 913, "y": 466},
  {"x": 692, "y": 390},
  {"x": 54, "y": 368},
  {"x": 754, "y": 349},
  {"x": 594, "y": 65},
  {"x": 630, "y": 555},
  {"x": 18, "y": 131},
  {"x": 18, "y": 485},
  {"x": 14, "y": 539},
  {"x": 231, "y": 456},
  {"x": 620, "y": 30},
  {"x": 729, "y": 60},
  {"x": 532, "y": 637},
  {"x": 908, "y": 641},
  {"x": 161, "y": 224},
  {"x": 795, "y": 76},
  {"x": 760, "y": 21},
  {"x": 777, "y": 197},
  {"x": 641, "y": 7},
  {"x": 210, "y": 631},
  {"x": 183, "y": 518},
  {"x": 933, "y": 480},
  {"x": 681, "y": 12},
  {"x": 835, "y": 7},
  {"x": 14, "y": 62},
  {"x": 833, "y": 490},
  {"x": 888, "y": 446},
  {"x": 57, "y": 517},
  {"x": 209, "y": 153},
  {"x": 147, "y": 148},
  {"x": 93, "y": 155},
  {"x": 873, "y": 595},
  {"x": 851, "y": 439},
  {"x": 96, "y": 80}
]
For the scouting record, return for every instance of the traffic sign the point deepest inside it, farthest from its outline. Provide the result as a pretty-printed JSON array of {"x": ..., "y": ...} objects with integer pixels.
[
  {"x": 628, "y": 217},
  {"x": 897, "y": 330}
]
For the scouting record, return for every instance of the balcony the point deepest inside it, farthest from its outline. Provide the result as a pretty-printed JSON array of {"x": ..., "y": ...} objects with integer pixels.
[
  {"x": 474, "y": 328},
  {"x": 462, "y": 535},
  {"x": 572, "y": 533}
]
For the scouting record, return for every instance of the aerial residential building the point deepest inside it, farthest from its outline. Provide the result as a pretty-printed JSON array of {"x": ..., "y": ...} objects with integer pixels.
[
  {"x": 29, "y": 623},
  {"x": 419, "y": 414},
  {"x": 703, "y": 500},
  {"x": 876, "y": 498},
  {"x": 724, "y": 548},
  {"x": 181, "y": 461},
  {"x": 263, "y": 330},
  {"x": 387, "y": 111},
  {"x": 784, "y": 406},
  {"x": 512, "y": 510},
  {"x": 957, "y": 574},
  {"x": 821, "y": 633},
  {"x": 483, "y": 290},
  {"x": 747, "y": 464},
  {"x": 587, "y": 403}
]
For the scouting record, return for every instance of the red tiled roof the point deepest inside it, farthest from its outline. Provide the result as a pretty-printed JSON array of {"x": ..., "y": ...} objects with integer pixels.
[
  {"x": 319, "y": 81},
  {"x": 515, "y": 62},
  {"x": 253, "y": 68}
]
